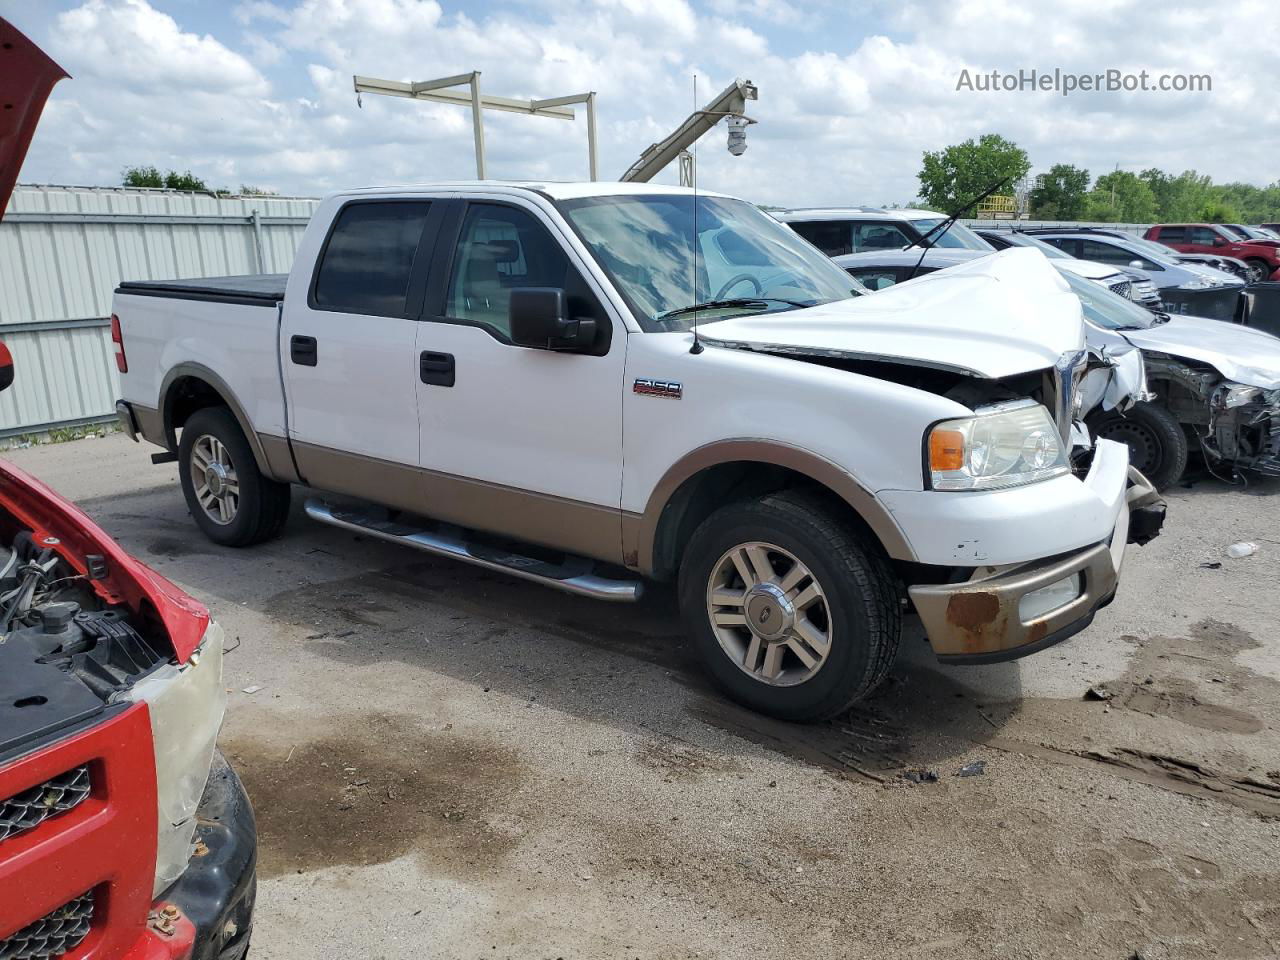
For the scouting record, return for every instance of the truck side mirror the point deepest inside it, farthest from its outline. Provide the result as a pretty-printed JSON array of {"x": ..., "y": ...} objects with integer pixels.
[
  {"x": 6, "y": 368},
  {"x": 540, "y": 319},
  {"x": 1219, "y": 241}
]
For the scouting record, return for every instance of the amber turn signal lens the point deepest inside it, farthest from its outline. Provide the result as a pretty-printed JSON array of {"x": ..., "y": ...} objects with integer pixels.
[{"x": 946, "y": 450}]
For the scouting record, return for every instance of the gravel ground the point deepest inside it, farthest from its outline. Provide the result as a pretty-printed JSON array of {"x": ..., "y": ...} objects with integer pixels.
[{"x": 448, "y": 763}]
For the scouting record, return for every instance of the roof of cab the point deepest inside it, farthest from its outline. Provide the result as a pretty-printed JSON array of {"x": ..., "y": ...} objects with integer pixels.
[
  {"x": 854, "y": 213},
  {"x": 556, "y": 190}
]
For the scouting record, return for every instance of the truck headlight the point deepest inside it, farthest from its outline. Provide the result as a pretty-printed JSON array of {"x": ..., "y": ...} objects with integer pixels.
[
  {"x": 1199, "y": 283},
  {"x": 186, "y": 704},
  {"x": 1003, "y": 445}
]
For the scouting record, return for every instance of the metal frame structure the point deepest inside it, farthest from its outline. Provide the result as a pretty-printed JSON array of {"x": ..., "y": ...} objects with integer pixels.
[
  {"x": 732, "y": 102},
  {"x": 441, "y": 91}
]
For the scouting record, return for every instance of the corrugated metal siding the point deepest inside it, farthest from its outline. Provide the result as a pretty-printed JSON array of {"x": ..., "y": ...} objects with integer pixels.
[{"x": 64, "y": 249}]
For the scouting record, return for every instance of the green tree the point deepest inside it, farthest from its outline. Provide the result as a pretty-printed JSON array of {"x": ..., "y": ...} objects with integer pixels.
[
  {"x": 1121, "y": 197},
  {"x": 172, "y": 179},
  {"x": 142, "y": 177},
  {"x": 1179, "y": 199},
  {"x": 248, "y": 191},
  {"x": 957, "y": 174},
  {"x": 1059, "y": 194}
]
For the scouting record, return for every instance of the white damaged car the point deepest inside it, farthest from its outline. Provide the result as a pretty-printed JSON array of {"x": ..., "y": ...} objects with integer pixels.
[{"x": 1214, "y": 386}]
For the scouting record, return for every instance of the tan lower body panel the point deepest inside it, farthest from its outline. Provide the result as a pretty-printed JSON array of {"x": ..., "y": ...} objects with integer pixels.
[
  {"x": 279, "y": 461},
  {"x": 569, "y": 525},
  {"x": 150, "y": 424}
]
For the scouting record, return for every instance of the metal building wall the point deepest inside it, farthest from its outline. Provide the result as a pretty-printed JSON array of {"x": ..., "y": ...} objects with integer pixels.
[{"x": 64, "y": 249}]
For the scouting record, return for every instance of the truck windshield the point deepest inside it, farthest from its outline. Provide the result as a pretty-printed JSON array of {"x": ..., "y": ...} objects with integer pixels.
[
  {"x": 956, "y": 235},
  {"x": 1105, "y": 309},
  {"x": 739, "y": 260}
]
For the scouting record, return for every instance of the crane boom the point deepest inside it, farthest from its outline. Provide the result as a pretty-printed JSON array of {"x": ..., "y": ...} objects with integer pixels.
[{"x": 732, "y": 101}]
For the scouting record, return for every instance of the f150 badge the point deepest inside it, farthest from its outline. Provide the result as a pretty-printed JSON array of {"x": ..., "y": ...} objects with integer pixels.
[{"x": 659, "y": 388}]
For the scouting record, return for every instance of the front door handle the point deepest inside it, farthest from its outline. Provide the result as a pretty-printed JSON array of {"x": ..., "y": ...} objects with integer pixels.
[
  {"x": 436, "y": 368},
  {"x": 303, "y": 351}
]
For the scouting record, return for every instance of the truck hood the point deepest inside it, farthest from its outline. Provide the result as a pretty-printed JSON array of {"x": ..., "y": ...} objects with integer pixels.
[
  {"x": 997, "y": 316},
  {"x": 1246, "y": 356},
  {"x": 26, "y": 77}
]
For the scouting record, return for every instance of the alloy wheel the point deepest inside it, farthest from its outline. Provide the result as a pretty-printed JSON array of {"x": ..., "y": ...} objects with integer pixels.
[
  {"x": 769, "y": 613},
  {"x": 214, "y": 479}
]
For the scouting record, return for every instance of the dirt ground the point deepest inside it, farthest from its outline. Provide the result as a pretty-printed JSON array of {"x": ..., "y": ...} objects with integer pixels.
[{"x": 447, "y": 763}]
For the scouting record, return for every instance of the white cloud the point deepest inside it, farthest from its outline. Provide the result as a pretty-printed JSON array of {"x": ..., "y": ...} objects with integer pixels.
[{"x": 845, "y": 120}]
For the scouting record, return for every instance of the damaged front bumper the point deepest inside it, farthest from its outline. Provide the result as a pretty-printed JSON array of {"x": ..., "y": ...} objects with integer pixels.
[
  {"x": 212, "y": 902},
  {"x": 1244, "y": 428},
  {"x": 1003, "y": 613}
]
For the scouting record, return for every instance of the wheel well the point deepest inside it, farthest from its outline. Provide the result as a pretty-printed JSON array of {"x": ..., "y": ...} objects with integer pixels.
[
  {"x": 186, "y": 395},
  {"x": 705, "y": 492}
]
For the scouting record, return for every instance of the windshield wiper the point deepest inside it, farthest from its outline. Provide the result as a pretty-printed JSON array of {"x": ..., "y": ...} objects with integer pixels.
[
  {"x": 942, "y": 226},
  {"x": 744, "y": 302}
]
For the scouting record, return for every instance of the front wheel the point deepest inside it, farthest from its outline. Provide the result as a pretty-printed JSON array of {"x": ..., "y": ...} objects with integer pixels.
[
  {"x": 230, "y": 499},
  {"x": 1156, "y": 441},
  {"x": 792, "y": 615},
  {"x": 1259, "y": 270}
]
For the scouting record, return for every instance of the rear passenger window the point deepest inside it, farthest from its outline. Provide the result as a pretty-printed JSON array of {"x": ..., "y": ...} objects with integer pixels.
[
  {"x": 369, "y": 258},
  {"x": 502, "y": 248},
  {"x": 833, "y": 238},
  {"x": 1172, "y": 235},
  {"x": 1105, "y": 252}
]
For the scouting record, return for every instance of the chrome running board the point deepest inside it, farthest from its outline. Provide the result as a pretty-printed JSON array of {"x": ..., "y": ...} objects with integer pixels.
[{"x": 572, "y": 575}]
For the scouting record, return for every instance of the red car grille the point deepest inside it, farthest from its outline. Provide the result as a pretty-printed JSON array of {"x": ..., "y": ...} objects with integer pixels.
[
  {"x": 102, "y": 841},
  {"x": 32, "y": 807},
  {"x": 53, "y": 935}
]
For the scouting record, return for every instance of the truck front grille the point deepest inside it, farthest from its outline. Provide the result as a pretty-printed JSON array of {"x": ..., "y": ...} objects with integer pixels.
[
  {"x": 32, "y": 807},
  {"x": 52, "y": 935},
  {"x": 1122, "y": 288}
]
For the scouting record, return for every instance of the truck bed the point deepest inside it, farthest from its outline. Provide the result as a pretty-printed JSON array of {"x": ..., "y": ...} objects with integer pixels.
[{"x": 250, "y": 289}]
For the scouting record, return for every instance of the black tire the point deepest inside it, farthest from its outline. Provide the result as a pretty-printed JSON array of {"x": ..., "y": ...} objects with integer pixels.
[
  {"x": 263, "y": 503},
  {"x": 1156, "y": 441},
  {"x": 861, "y": 591},
  {"x": 1259, "y": 270}
]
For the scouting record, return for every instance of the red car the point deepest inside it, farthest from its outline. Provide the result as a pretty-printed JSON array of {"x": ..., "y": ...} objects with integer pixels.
[
  {"x": 1262, "y": 256},
  {"x": 124, "y": 834}
]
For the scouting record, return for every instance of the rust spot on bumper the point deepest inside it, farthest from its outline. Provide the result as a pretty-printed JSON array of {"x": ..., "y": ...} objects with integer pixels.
[
  {"x": 973, "y": 611},
  {"x": 980, "y": 618}
]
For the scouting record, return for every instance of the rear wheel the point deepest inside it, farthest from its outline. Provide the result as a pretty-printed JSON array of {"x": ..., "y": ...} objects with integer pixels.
[
  {"x": 231, "y": 500},
  {"x": 1156, "y": 441},
  {"x": 791, "y": 613}
]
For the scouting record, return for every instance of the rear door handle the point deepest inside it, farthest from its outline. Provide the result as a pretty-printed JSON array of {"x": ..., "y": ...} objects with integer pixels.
[
  {"x": 436, "y": 368},
  {"x": 303, "y": 351}
]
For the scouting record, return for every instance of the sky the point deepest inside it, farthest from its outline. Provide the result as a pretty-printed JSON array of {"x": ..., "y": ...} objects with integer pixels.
[{"x": 851, "y": 94}]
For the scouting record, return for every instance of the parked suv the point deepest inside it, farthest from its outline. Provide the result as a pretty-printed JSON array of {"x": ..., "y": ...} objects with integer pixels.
[
  {"x": 1184, "y": 288},
  {"x": 840, "y": 230},
  {"x": 1262, "y": 256}
]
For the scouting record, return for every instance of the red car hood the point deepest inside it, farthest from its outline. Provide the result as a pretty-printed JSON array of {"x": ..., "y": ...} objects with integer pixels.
[
  {"x": 26, "y": 77},
  {"x": 127, "y": 580}
]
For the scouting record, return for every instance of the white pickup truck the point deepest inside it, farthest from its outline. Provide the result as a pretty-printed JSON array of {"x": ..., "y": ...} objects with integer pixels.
[{"x": 515, "y": 375}]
